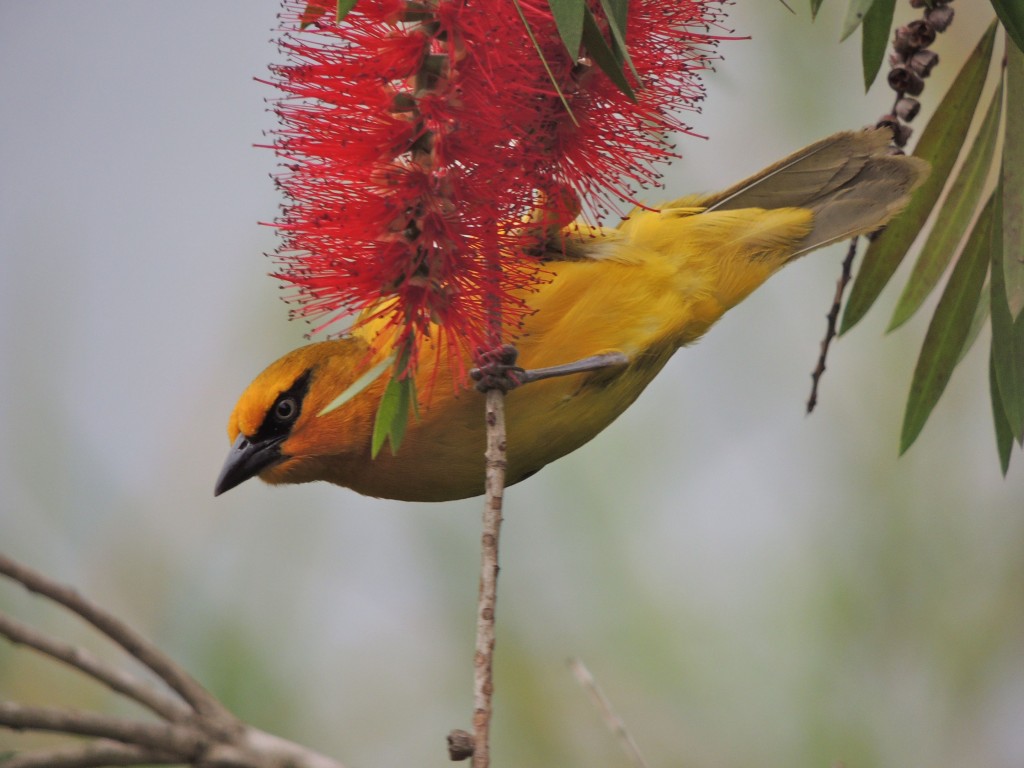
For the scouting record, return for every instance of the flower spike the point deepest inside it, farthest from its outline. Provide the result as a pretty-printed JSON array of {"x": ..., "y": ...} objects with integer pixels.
[{"x": 419, "y": 139}]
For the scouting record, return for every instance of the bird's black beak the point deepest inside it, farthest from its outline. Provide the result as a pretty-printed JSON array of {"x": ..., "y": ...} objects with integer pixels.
[{"x": 247, "y": 459}]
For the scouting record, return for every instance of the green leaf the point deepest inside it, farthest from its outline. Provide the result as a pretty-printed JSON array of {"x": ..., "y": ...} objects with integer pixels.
[
  {"x": 1011, "y": 14},
  {"x": 977, "y": 323},
  {"x": 615, "y": 12},
  {"x": 1013, "y": 182},
  {"x": 547, "y": 68},
  {"x": 1004, "y": 435},
  {"x": 344, "y": 6},
  {"x": 855, "y": 13},
  {"x": 393, "y": 413},
  {"x": 948, "y": 330},
  {"x": 815, "y": 5},
  {"x": 939, "y": 144},
  {"x": 1007, "y": 338},
  {"x": 357, "y": 386},
  {"x": 569, "y": 20},
  {"x": 311, "y": 13},
  {"x": 952, "y": 222},
  {"x": 601, "y": 53},
  {"x": 874, "y": 38}
]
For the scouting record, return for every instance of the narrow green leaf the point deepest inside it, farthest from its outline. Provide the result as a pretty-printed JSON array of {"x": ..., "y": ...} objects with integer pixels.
[
  {"x": 1004, "y": 435},
  {"x": 874, "y": 38},
  {"x": 392, "y": 414},
  {"x": 344, "y": 6},
  {"x": 393, "y": 410},
  {"x": 615, "y": 12},
  {"x": 952, "y": 222},
  {"x": 547, "y": 68},
  {"x": 815, "y": 5},
  {"x": 1011, "y": 14},
  {"x": 948, "y": 330},
  {"x": 1007, "y": 338},
  {"x": 603, "y": 55},
  {"x": 855, "y": 13},
  {"x": 1018, "y": 347},
  {"x": 1013, "y": 182},
  {"x": 939, "y": 144},
  {"x": 311, "y": 12},
  {"x": 977, "y": 322},
  {"x": 405, "y": 405},
  {"x": 569, "y": 20},
  {"x": 386, "y": 410},
  {"x": 357, "y": 386}
]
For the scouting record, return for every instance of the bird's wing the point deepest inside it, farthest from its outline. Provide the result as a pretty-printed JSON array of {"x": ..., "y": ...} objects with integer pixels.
[
  {"x": 808, "y": 175},
  {"x": 849, "y": 181}
]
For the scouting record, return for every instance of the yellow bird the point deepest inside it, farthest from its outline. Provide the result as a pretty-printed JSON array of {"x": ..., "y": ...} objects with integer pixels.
[{"x": 634, "y": 294}]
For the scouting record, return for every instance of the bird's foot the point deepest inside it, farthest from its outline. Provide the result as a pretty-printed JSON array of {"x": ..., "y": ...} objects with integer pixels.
[{"x": 498, "y": 369}]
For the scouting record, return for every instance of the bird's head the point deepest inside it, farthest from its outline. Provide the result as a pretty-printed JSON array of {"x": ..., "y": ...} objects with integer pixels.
[{"x": 279, "y": 430}]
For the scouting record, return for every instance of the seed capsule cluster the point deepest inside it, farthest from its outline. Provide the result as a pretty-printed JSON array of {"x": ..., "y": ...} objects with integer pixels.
[{"x": 912, "y": 61}]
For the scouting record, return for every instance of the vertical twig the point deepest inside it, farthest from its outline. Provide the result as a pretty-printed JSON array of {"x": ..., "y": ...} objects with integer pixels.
[
  {"x": 483, "y": 684},
  {"x": 494, "y": 491},
  {"x": 831, "y": 319}
]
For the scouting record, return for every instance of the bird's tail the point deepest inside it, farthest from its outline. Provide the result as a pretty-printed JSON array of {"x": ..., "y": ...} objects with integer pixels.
[{"x": 849, "y": 181}]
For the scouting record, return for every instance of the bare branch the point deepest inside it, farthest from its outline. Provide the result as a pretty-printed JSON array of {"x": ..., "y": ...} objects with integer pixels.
[
  {"x": 182, "y": 740},
  {"x": 277, "y": 751},
  {"x": 483, "y": 681},
  {"x": 210, "y": 736},
  {"x": 119, "y": 681},
  {"x": 92, "y": 755},
  {"x": 254, "y": 749},
  {"x": 213, "y": 712},
  {"x": 833, "y": 317}
]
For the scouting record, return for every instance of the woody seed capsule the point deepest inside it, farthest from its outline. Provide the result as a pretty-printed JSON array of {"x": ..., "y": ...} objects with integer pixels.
[
  {"x": 940, "y": 17},
  {"x": 922, "y": 62},
  {"x": 922, "y": 34},
  {"x": 907, "y": 108},
  {"x": 903, "y": 80}
]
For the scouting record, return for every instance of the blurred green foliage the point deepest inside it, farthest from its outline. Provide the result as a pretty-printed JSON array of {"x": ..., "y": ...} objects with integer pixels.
[{"x": 951, "y": 202}]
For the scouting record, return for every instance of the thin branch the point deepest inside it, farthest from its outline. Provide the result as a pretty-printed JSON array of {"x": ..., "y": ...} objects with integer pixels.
[
  {"x": 277, "y": 751},
  {"x": 497, "y": 374},
  {"x": 93, "y": 755},
  {"x": 833, "y": 318},
  {"x": 211, "y": 710},
  {"x": 182, "y": 740},
  {"x": 483, "y": 682},
  {"x": 253, "y": 749},
  {"x": 611, "y": 719},
  {"x": 211, "y": 737},
  {"x": 78, "y": 658}
]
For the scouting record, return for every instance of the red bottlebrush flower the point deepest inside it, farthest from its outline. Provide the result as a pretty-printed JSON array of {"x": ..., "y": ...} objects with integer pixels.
[{"x": 416, "y": 138}]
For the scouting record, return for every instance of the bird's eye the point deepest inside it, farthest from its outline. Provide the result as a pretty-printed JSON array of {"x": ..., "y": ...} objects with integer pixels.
[{"x": 286, "y": 409}]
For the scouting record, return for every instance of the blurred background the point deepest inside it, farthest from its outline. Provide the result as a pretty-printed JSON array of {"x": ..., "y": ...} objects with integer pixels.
[{"x": 749, "y": 585}]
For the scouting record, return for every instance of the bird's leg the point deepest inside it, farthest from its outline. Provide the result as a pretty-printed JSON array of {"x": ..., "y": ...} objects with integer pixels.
[
  {"x": 583, "y": 365},
  {"x": 498, "y": 369}
]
